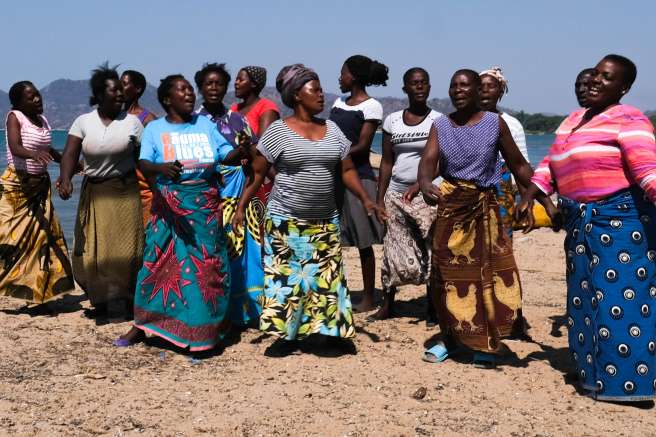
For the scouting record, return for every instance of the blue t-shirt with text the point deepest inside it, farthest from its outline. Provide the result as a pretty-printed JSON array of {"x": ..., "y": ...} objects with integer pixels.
[{"x": 197, "y": 145}]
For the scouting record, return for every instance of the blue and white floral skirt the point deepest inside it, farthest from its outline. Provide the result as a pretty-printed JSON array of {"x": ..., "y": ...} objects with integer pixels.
[{"x": 305, "y": 289}]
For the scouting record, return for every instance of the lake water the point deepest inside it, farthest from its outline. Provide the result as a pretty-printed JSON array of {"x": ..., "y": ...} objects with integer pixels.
[{"x": 538, "y": 146}]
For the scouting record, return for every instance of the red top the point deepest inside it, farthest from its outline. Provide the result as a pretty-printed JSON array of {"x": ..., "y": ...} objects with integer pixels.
[{"x": 253, "y": 116}]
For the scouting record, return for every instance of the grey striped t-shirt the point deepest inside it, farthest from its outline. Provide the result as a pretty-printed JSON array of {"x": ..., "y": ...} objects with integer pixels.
[{"x": 304, "y": 187}]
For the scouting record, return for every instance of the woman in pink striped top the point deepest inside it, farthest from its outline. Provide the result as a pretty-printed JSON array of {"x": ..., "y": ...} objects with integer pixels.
[
  {"x": 34, "y": 263},
  {"x": 603, "y": 166}
]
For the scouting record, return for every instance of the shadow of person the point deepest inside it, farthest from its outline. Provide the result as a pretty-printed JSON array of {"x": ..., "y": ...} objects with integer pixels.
[
  {"x": 327, "y": 346},
  {"x": 68, "y": 303},
  {"x": 557, "y": 322},
  {"x": 372, "y": 336},
  {"x": 160, "y": 343}
]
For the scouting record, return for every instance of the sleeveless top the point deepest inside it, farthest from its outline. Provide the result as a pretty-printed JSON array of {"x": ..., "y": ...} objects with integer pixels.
[
  {"x": 470, "y": 153},
  {"x": 253, "y": 116},
  {"x": 33, "y": 138}
]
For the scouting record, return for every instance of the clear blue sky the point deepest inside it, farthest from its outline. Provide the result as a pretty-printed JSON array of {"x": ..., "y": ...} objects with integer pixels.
[{"x": 540, "y": 44}]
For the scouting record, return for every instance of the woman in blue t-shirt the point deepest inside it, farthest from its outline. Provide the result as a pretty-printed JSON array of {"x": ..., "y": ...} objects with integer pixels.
[{"x": 183, "y": 287}]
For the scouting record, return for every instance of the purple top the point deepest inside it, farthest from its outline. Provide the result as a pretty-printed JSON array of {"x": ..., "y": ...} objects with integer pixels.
[{"x": 470, "y": 153}]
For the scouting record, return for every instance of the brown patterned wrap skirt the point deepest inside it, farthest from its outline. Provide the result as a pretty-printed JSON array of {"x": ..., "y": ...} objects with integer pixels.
[{"x": 474, "y": 280}]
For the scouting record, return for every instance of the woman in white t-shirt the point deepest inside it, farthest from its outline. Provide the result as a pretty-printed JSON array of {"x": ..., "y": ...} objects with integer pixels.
[
  {"x": 406, "y": 245},
  {"x": 358, "y": 116},
  {"x": 109, "y": 233}
]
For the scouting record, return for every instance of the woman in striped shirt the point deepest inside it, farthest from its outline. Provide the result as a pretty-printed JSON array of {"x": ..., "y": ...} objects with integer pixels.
[
  {"x": 305, "y": 289},
  {"x": 603, "y": 166},
  {"x": 32, "y": 246}
]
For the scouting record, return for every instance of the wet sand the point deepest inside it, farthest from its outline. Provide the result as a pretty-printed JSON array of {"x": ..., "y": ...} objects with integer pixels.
[{"x": 60, "y": 375}]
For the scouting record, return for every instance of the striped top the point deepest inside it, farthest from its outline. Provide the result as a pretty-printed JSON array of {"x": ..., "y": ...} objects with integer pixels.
[
  {"x": 304, "y": 187},
  {"x": 611, "y": 152},
  {"x": 33, "y": 138},
  {"x": 470, "y": 153}
]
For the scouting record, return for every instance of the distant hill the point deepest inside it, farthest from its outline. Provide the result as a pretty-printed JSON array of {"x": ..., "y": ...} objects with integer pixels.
[{"x": 65, "y": 99}]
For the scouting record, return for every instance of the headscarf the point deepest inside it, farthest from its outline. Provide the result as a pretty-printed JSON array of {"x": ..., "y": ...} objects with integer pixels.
[
  {"x": 291, "y": 79},
  {"x": 257, "y": 76},
  {"x": 497, "y": 73}
]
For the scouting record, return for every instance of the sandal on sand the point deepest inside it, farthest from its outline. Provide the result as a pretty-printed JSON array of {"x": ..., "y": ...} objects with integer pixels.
[
  {"x": 436, "y": 354},
  {"x": 484, "y": 360},
  {"x": 122, "y": 342}
]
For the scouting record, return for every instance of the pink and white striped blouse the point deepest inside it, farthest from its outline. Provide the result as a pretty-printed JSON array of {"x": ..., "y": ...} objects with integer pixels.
[
  {"x": 33, "y": 138},
  {"x": 611, "y": 152}
]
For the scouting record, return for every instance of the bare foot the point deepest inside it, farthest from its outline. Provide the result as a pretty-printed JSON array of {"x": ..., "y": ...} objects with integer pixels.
[{"x": 134, "y": 336}]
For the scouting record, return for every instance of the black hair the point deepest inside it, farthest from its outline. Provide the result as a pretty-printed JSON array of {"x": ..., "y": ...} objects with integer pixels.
[
  {"x": 367, "y": 72},
  {"x": 471, "y": 73},
  {"x": 138, "y": 79},
  {"x": 208, "y": 68},
  {"x": 97, "y": 82},
  {"x": 630, "y": 69},
  {"x": 165, "y": 86},
  {"x": 16, "y": 92},
  {"x": 585, "y": 71},
  {"x": 413, "y": 70}
]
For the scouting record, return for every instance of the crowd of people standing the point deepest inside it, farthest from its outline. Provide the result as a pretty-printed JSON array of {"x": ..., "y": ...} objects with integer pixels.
[{"x": 214, "y": 218}]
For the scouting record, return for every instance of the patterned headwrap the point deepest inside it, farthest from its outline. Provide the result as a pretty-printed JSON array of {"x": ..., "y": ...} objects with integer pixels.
[
  {"x": 497, "y": 73},
  {"x": 257, "y": 76},
  {"x": 291, "y": 79}
]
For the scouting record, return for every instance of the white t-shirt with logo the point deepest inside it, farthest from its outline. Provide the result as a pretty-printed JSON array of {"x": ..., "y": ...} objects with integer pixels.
[{"x": 408, "y": 142}]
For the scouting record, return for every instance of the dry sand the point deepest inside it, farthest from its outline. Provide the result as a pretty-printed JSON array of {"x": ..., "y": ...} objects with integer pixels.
[{"x": 60, "y": 375}]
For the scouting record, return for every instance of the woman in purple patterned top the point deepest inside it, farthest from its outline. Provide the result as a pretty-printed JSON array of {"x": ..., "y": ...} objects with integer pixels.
[{"x": 474, "y": 280}]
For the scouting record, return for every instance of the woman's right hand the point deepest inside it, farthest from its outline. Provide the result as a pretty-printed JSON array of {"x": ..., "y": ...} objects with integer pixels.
[
  {"x": 524, "y": 214},
  {"x": 238, "y": 221},
  {"x": 170, "y": 170},
  {"x": 43, "y": 157},
  {"x": 431, "y": 193},
  {"x": 64, "y": 188}
]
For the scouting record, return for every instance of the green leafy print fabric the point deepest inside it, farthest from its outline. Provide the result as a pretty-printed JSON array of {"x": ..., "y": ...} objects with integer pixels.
[{"x": 305, "y": 290}]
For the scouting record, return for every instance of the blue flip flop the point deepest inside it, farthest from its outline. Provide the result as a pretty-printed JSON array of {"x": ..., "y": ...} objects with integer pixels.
[{"x": 436, "y": 354}]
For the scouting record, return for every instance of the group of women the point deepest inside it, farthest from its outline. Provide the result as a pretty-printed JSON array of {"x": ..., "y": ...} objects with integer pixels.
[{"x": 245, "y": 214}]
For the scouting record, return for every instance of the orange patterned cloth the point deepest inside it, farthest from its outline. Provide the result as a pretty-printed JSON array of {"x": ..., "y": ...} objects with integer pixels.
[{"x": 34, "y": 263}]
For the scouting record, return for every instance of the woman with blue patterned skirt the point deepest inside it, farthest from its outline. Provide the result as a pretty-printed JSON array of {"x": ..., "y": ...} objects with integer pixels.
[{"x": 603, "y": 165}]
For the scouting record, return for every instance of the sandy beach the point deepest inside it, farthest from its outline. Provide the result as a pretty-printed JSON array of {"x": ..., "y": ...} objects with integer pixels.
[{"x": 60, "y": 375}]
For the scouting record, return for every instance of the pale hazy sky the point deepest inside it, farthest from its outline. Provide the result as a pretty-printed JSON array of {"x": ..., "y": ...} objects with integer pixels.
[{"x": 540, "y": 44}]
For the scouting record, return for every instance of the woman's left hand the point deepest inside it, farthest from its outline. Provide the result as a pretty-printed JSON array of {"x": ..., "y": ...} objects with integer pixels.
[{"x": 377, "y": 210}]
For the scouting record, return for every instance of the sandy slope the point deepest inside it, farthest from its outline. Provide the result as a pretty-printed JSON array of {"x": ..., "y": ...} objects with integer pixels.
[{"x": 59, "y": 375}]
